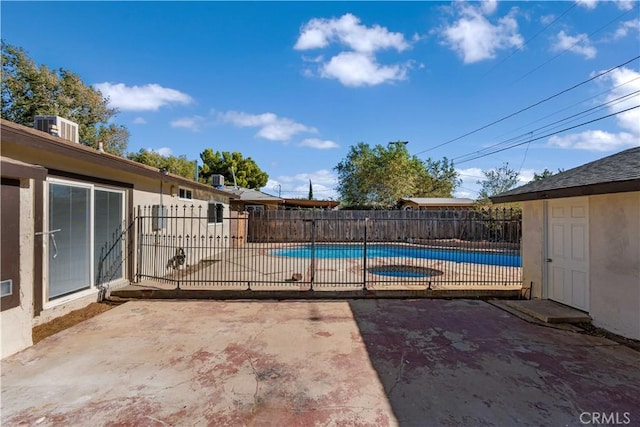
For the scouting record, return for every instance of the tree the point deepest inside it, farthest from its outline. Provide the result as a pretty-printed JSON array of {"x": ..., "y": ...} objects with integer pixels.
[
  {"x": 176, "y": 165},
  {"x": 29, "y": 90},
  {"x": 546, "y": 173},
  {"x": 310, "y": 191},
  {"x": 498, "y": 181},
  {"x": 378, "y": 177},
  {"x": 247, "y": 172}
]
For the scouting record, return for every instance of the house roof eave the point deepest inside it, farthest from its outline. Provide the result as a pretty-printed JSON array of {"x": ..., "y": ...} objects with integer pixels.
[{"x": 576, "y": 191}]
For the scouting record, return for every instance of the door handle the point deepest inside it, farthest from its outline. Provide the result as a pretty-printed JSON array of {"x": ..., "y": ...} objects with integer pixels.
[{"x": 53, "y": 240}]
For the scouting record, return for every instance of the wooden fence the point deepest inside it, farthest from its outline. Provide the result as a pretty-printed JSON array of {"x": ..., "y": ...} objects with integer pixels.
[{"x": 290, "y": 226}]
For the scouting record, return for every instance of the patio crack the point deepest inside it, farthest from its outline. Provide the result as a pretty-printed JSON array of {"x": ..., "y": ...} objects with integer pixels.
[
  {"x": 257, "y": 378},
  {"x": 400, "y": 372}
]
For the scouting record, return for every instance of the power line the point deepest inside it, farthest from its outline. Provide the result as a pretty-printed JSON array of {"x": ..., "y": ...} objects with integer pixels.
[
  {"x": 531, "y": 133},
  {"x": 570, "y": 106},
  {"x": 575, "y": 3},
  {"x": 570, "y": 47},
  {"x": 530, "y": 106},
  {"x": 518, "y": 140},
  {"x": 548, "y": 135}
]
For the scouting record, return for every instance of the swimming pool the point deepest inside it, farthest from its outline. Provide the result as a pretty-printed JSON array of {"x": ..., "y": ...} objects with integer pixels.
[{"x": 504, "y": 259}]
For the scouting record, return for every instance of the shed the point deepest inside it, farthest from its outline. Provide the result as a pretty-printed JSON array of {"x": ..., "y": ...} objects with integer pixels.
[{"x": 581, "y": 239}]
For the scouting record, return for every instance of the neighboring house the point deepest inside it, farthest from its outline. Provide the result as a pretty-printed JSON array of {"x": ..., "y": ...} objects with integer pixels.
[
  {"x": 64, "y": 205},
  {"x": 581, "y": 239},
  {"x": 418, "y": 203},
  {"x": 252, "y": 200},
  {"x": 310, "y": 204}
]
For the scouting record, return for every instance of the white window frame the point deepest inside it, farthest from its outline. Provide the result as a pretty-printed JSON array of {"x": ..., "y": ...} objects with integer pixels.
[
  {"x": 188, "y": 192},
  {"x": 46, "y": 244},
  {"x": 218, "y": 220}
]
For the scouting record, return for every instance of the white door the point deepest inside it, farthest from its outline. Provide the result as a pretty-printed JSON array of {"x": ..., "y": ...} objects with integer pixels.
[{"x": 568, "y": 252}]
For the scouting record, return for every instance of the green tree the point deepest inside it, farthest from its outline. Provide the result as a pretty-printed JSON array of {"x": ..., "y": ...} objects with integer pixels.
[
  {"x": 378, "y": 177},
  {"x": 546, "y": 173},
  {"x": 310, "y": 191},
  {"x": 178, "y": 165},
  {"x": 247, "y": 172},
  {"x": 497, "y": 180},
  {"x": 29, "y": 90}
]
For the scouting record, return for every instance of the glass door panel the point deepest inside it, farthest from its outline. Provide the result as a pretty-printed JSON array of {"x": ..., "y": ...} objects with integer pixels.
[
  {"x": 69, "y": 239},
  {"x": 107, "y": 240}
]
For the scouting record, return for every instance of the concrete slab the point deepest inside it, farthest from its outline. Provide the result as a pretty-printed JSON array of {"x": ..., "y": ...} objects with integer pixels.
[
  {"x": 306, "y": 363},
  {"x": 549, "y": 311}
]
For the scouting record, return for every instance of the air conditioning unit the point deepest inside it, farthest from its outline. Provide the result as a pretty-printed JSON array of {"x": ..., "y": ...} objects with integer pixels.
[
  {"x": 57, "y": 126},
  {"x": 217, "y": 180}
]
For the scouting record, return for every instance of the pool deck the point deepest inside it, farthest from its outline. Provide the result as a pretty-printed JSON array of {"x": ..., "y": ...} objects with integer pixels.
[{"x": 318, "y": 363}]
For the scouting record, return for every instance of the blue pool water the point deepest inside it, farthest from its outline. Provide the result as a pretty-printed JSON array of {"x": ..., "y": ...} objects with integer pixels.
[{"x": 384, "y": 251}]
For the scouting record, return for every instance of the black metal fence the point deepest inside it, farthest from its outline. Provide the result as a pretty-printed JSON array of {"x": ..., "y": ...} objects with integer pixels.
[{"x": 315, "y": 250}]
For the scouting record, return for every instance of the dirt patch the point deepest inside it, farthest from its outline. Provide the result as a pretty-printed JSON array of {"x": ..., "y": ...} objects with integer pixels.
[
  {"x": 599, "y": 332},
  {"x": 61, "y": 323}
]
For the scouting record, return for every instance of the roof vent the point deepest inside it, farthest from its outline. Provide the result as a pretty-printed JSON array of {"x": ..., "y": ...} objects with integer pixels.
[
  {"x": 217, "y": 181},
  {"x": 57, "y": 126}
]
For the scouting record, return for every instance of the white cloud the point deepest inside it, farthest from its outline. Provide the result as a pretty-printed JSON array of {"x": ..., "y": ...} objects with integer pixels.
[
  {"x": 270, "y": 125},
  {"x": 489, "y": 6},
  {"x": 622, "y": 4},
  {"x": 192, "y": 123},
  {"x": 626, "y": 4},
  {"x": 579, "y": 44},
  {"x": 318, "y": 143},
  {"x": 469, "y": 187},
  {"x": 588, "y": 4},
  {"x": 625, "y": 27},
  {"x": 149, "y": 97},
  {"x": 347, "y": 30},
  {"x": 525, "y": 176},
  {"x": 296, "y": 186},
  {"x": 358, "y": 65},
  {"x": 547, "y": 19},
  {"x": 474, "y": 38},
  {"x": 595, "y": 140},
  {"x": 163, "y": 151},
  {"x": 358, "y": 69},
  {"x": 623, "y": 81},
  {"x": 139, "y": 121}
]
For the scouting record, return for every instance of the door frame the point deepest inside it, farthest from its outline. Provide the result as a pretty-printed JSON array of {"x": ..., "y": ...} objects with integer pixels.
[
  {"x": 546, "y": 271},
  {"x": 46, "y": 243}
]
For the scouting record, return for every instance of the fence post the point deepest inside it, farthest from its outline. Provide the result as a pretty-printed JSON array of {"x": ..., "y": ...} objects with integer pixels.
[
  {"x": 139, "y": 260},
  {"x": 364, "y": 256},
  {"x": 313, "y": 253}
]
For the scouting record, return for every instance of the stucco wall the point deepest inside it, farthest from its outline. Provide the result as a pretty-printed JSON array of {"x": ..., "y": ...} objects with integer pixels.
[
  {"x": 15, "y": 323},
  {"x": 614, "y": 227},
  {"x": 533, "y": 246}
]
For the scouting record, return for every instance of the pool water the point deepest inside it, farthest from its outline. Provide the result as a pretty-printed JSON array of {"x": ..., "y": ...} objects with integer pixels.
[{"x": 504, "y": 259}]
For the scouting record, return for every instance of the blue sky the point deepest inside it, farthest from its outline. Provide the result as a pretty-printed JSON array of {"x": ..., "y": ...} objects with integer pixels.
[{"x": 294, "y": 84}]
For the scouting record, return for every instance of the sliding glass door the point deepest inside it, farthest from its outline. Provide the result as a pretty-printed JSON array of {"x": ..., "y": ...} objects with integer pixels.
[{"x": 85, "y": 237}]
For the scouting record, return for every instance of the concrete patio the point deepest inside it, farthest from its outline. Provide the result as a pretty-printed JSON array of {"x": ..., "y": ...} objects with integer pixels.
[{"x": 361, "y": 362}]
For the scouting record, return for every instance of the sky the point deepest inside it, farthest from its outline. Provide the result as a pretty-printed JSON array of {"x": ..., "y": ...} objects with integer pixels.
[{"x": 294, "y": 84}]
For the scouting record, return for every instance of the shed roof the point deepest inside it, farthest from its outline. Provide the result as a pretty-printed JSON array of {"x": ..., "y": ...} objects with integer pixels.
[
  {"x": 250, "y": 195},
  {"x": 439, "y": 201},
  {"x": 617, "y": 173}
]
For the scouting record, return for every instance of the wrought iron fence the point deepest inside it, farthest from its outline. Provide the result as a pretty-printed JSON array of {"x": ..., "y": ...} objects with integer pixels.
[
  {"x": 112, "y": 257},
  {"x": 179, "y": 247}
]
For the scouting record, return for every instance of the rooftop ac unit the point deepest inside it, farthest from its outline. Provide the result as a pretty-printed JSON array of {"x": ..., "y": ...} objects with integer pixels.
[
  {"x": 217, "y": 180},
  {"x": 57, "y": 126}
]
